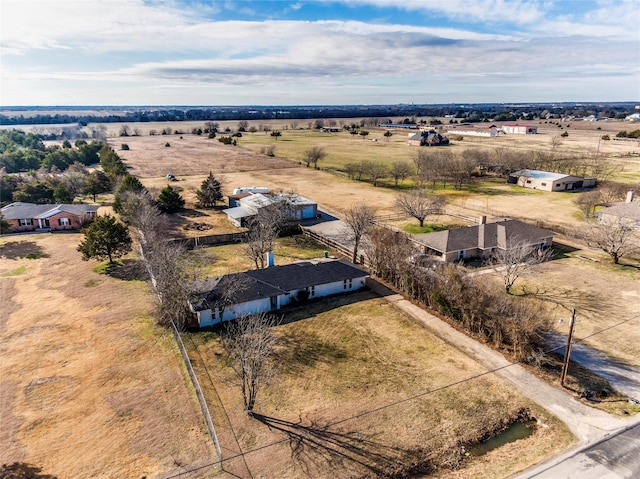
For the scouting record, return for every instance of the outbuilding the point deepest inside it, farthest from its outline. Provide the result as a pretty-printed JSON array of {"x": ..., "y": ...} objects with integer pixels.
[
  {"x": 520, "y": 129},
  {"x": 549, "y": 181}
]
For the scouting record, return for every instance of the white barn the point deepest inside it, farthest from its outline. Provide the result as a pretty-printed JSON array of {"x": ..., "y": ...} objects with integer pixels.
[
  {"x": 490, "y": 131},
  {"x": 520, "y": 129},
  {"x": 266, "y": 290}
]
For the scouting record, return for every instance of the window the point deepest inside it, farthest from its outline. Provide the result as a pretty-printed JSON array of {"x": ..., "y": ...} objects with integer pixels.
[
  {"x": 64, "y": 221},
  {"x": 528, "y": 181},
  {"x": 26, "y": 222},
  {"x": 543, "y": 184}
]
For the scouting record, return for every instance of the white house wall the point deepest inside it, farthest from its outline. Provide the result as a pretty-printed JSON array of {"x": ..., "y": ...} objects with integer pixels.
[
  {"x": 205, "y": 318},
  {"x": 243, "y": 309}
]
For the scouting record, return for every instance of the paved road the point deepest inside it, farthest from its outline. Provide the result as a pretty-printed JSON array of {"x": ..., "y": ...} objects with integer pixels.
[
  {"x": 617, "y": 456},
  {"x": 623, "y": 377}
]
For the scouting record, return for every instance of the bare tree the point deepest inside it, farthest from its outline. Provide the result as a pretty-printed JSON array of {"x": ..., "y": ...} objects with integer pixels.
[
  {"x": 171, "y": 269},
  {"x": 587, "y": 202},
  {"x": 420, "y": 203},
  {"x": 262, "y": 234},
  {"x": 389, "y": 253},
  {"x": 616, "y": 237},
  {"x": 376, "y": 171},
  {"x": 250, "y": 342},
  {"x": 518, "y": 259},
  {"x": 420, "y": 161},
  {"x": 173, "y": 273},
  {"x": 358, "y": 221},
  {"x": 351, "y": 169},
  {"x": 400, "y": 170},
  {"x": 313, "y": 155},
  {"x": 460, "y": 170}
]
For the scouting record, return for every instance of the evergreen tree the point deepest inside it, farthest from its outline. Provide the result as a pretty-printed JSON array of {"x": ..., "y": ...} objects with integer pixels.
[
  {"x": 209, "y": 193},
  {"x": 111, "y": 163},
  {"x": 169, "y": 200},
  {"x": 106, "y": 238},
  {"x": 128, "y": 184},
  {"x": 97, "y": 182},
  {"x": 62, "y": 194}
]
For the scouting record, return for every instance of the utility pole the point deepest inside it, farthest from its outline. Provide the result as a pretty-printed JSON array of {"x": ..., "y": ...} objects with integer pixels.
[{"x": 567, "y": 354}]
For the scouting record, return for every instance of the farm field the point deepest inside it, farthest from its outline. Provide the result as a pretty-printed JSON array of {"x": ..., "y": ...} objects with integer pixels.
[
  {"x": 366, "y": 394},
  {"x": 90, "y": 387}
]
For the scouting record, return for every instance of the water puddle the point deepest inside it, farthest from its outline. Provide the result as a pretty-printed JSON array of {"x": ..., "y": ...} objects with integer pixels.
[{"x": 518, "y": 430}]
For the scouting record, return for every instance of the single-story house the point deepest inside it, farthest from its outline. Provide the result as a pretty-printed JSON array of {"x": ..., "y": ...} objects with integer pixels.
[
  {"x": 548, "y": 181},
  {"x": 266, "y": 290},
  {"x": 520, "y": 129},
  {"x": 627, "y": 213},
  {"x": 246, "y": 207},
  {"x": 481, "y": 241},
  {"x": 428, "y": 138},
  {"x": 487, "y": 131},
  {"x": 34, "y": 217}
]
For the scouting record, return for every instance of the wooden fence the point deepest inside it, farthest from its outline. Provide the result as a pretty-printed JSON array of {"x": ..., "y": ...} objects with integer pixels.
[{"x": 224, "y": 238}]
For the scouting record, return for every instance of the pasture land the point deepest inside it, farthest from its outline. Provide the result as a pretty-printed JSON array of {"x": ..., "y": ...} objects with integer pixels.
[
  {"x": 90, "y": 387},
  {"x": 362, "y": 390}
]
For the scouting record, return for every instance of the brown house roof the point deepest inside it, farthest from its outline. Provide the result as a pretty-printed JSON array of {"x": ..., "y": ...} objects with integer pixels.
[{"x": 501, "y": 234}]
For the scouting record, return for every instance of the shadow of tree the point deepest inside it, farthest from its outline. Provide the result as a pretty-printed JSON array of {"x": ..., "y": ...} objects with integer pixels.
[
  {"x": 314, "y": 446},
  {"x": 22, "y": 249},
  {"x": 129, "y": 270},
  {"x": 300, "y": 350},
  {"x": 566, "y": 298},
  {"x": 21, "y": 470}
]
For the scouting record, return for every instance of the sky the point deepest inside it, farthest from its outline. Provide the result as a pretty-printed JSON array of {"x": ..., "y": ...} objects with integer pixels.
[{"x": 315, "y": 52}]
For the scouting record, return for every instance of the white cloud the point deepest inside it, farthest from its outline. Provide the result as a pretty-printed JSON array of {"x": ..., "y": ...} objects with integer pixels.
[{"x": 169, "y": 47}]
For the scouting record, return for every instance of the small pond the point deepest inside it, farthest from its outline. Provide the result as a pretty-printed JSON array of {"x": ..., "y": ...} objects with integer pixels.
[{"x": 518, "y": 430}]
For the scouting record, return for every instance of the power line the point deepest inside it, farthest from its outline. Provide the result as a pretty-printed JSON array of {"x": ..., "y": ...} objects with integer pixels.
[{"x": 400, "y": 401}]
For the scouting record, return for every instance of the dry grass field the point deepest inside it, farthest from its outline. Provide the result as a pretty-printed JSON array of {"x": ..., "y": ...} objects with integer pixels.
[
  {"x": 89, "y": 386},
  {"x": 104, "y": 395},
  {"x": 607, "y": 293},
  {"x": 603, "y": 295},
  {"x": 361, "y": 390}
]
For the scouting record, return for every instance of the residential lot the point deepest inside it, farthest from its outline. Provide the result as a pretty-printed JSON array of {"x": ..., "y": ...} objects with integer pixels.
[
  {"x": 89, "y": 386},
  {"x": 602, "y": 293},
  {"x": 363, "y": 390}
]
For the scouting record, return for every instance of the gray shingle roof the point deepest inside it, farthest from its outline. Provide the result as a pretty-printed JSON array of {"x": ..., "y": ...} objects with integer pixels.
[
  {"x": 625, "y": 211},
  {"x": 500, "y": 234},
  {"x": 305, "y": 274},
  {"x": 17, "y": 211},
  {"x": 272, "y": 281}
]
